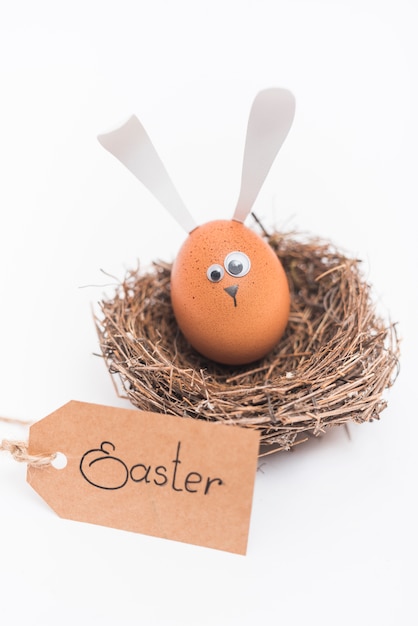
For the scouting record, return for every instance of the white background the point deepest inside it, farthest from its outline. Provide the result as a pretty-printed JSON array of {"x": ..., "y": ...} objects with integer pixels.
[{"x": 333, "y": 529}]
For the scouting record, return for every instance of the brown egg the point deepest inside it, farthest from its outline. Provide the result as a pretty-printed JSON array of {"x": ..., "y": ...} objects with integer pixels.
[{"x": 229, "y": 293}]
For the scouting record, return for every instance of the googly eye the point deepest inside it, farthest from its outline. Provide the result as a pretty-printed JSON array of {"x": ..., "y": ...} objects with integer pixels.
[
  {"x": 215, "y": 273},
  {"x": 237, "y": 264}
]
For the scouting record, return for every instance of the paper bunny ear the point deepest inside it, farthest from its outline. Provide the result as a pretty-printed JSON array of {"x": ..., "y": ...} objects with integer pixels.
[
  {"x": 132, "y": 146},
  {"x": 271, "y": 117}
]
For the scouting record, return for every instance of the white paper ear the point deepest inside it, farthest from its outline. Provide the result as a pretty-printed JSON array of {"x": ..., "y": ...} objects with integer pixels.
[
  {"x": 271, "y": 117},
  {"x": 132, "y": 146}
]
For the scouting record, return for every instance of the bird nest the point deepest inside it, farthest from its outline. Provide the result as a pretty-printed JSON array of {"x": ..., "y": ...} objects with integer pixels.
[{"x": 331, "y": 367}]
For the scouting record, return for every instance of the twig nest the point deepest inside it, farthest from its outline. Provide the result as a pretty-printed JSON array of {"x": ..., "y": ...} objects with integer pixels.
[{"x": 332, "y": 366}]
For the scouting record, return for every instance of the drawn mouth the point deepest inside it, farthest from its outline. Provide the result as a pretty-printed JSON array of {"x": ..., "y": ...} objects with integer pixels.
[{"x": 232, "y": 291}]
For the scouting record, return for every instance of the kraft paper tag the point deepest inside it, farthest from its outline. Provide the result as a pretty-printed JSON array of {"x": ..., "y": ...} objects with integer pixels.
[{"x": 161, "y": 475}]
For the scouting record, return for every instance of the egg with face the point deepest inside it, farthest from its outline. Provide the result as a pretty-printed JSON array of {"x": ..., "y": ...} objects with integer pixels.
[{"x": 229, "y": 293}]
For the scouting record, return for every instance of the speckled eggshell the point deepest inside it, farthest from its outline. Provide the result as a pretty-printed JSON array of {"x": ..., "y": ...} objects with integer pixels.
[{"x": 225, "y": 331}]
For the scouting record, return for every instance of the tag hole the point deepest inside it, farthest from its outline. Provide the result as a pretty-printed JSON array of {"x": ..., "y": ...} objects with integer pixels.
[{"x": 60, "y": 461}]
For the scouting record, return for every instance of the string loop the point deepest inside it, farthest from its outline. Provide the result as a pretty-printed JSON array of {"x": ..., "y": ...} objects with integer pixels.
[{"x": 19, "y": 451}]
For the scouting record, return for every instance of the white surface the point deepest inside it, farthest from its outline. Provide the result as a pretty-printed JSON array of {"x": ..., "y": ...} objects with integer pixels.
[{"x": 333, "y": 532}]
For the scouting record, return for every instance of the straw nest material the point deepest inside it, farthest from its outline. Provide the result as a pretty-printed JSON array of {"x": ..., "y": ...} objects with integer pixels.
[{"x": 332, "y": 366}]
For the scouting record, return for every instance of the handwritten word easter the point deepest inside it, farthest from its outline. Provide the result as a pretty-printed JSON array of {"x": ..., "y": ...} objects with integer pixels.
[{"x": 103, "y": 470}]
